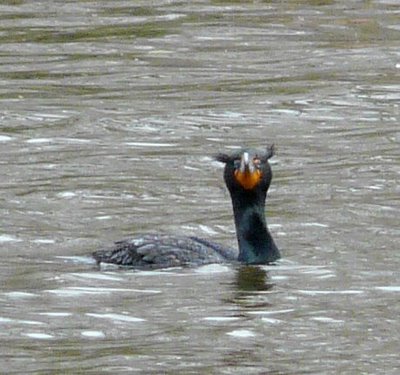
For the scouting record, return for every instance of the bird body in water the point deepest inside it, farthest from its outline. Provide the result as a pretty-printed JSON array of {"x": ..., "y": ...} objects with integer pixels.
[{"x": 247, "y": 175}]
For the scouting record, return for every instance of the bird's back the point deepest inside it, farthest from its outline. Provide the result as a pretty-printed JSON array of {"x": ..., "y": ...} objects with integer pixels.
[{"x": 162, "y": 251}]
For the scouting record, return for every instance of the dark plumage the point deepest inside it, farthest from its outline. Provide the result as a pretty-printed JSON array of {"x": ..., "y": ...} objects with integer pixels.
[{"x": 247, "y": 175}]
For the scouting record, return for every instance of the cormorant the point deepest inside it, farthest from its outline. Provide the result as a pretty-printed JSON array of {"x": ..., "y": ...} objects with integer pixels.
[{"x": 247, "y": 175}]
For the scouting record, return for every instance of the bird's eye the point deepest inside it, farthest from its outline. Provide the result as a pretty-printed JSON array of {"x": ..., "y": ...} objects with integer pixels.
[
  {"x": 256, "y": 161},
  {"x": 236, "y": 163}
]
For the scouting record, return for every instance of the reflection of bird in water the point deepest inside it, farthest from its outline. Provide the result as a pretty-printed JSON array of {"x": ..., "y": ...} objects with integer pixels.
[
  {"x": 247, "y": 176},
  {"x": 252, "y": 279},
  {"x": 253, "y": 288}
]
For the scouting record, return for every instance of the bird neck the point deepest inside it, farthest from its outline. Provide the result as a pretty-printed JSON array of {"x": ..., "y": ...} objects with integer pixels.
[{"x": 256, "y": 245}]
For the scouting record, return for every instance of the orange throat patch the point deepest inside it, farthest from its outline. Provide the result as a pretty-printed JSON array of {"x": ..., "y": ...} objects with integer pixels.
[{"x": 247, "y": 179}]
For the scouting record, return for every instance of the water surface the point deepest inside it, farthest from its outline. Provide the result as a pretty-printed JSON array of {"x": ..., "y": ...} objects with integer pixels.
[{"x": 110, "y": 114}]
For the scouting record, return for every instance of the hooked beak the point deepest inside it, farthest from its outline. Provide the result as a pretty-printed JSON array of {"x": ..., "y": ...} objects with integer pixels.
[{"x": 246, "y": 165}]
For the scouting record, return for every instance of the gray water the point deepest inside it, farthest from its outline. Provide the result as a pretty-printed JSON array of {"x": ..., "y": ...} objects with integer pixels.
[{"x": 110, "y": 113}]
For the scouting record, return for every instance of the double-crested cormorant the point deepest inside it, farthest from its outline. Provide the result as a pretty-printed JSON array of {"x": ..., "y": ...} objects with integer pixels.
[{"x": 247, "y": 175}]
